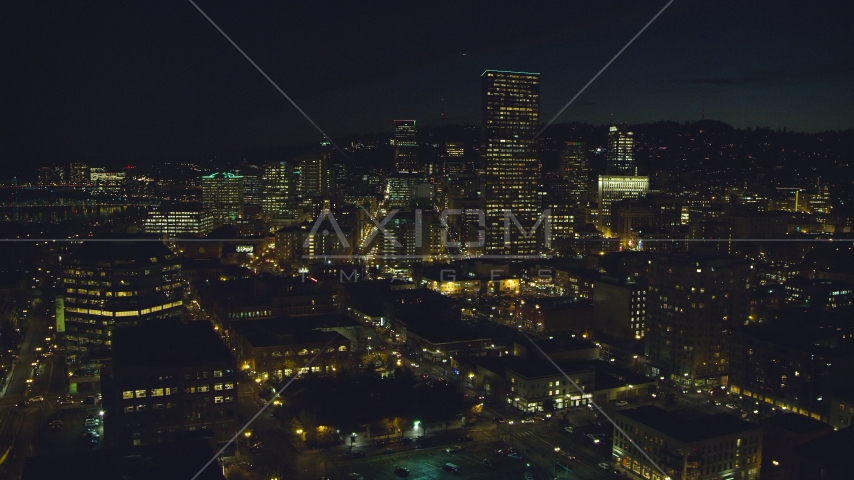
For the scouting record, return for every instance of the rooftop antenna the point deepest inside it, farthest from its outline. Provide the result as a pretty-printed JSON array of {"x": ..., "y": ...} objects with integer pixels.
[{"x": 442, "y": 115}]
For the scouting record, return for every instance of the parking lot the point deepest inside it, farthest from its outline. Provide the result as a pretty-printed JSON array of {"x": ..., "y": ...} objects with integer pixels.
[
  {"x": 70, "y": 436},
  {"x": 427, "y": 463}
]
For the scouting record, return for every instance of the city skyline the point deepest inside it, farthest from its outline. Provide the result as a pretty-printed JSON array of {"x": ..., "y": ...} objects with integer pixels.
[
  {"x": 734, "y": 75},
  {"x": 383, "y": 240}
]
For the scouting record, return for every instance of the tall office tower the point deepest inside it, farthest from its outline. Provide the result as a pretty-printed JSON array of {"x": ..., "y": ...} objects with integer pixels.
[
  {"x": 314, "y": 178},
  {"x": 112, "y": 284},
  {"x": 52, "y": 175},
  {"x": 455, "y": 163},
  {"x": 510, "y": 106},
  {"x": 276, "y": 188},
  {"x": 575, "y": 169},
  {"x": 78, "y": 173},
  {"x": 613, "y": 188},
  {"x": 621, "y": 151},
  {"x": 455, "y": 149},
  {"x": 222, "y": 193},
  {"x": 253, "y": 188},
  {"x": 690, "y": 303},
  {"x": 405, "y": 147}
]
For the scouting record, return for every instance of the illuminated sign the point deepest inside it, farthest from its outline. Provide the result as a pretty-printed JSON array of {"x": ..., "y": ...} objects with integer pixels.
[{"x": 245, "y": 249}]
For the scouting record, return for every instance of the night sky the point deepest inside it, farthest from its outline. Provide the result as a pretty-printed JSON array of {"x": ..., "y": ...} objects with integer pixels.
[{"x": 115, "y": 81}]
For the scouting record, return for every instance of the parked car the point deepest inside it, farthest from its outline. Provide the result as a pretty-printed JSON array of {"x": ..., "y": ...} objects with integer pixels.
[
  {"x": 405, "y": 440},
  {"x": 528, "y": 420},
  {"x": 622, "y": 403},
  {"x": 454, "y": 449},
  {"x": 604, "y": 466},
  {"x": 514, "y": 456},
  {"x": 569, "y": 429},
  {"x": 355, "y": 476},
  {"x": 401, "y": 472}
]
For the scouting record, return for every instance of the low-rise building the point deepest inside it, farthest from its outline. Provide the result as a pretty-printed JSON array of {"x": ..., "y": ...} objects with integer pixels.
[
  {"x": 686, "y": 444},
  {"x": 282, "y": 347}
]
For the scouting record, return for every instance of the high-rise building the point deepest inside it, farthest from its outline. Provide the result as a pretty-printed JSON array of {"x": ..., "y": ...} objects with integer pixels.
[
  {"x": 621, "y": 151},
  {"x": 314, "y": 176},
  {"x": 179, "y": 219},
  {"x": 277, "y": 188},
  {"x": 222, "y": 193},
  {"x": 405, "y": 147},
  {"x": 510, "y": 105},
  {"x": 111, "y": 284},
  {"x": 691, "y": 302},
  {"x": 455, "y": 149},
  {"x": 253, "y": 188},
  {"x": 613, "y": 188},
  {"x": 575, "y": 169},
  {"x": 78, "y": 174},
  {"x": 50, "y": 176}
]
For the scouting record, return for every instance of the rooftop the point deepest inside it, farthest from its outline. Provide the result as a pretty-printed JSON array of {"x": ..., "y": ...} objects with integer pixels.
[
  {"x": 166, "y": 343},
  {"x": 685, "y": 425}
]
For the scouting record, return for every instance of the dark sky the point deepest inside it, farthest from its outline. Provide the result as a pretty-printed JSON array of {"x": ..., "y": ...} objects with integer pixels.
[{"x": 140, "y": 81}]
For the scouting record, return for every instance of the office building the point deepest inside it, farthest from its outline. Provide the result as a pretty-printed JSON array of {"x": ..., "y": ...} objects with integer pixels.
[
  {"x": 78, "y": 174},
  {"x": 222, "y": 193},
  {"x": 691, "y": 302},
  {"x": 686, "y": 444},
  {"x": 314, "y": 176},
  {"x": 455, "y": 149},
  {"x": 168, "y": 379},
  {"x": 110, "y": 284},
  {"x": 405, "y": 147},
  {"x": 51, "y": 176},
  {"x": 613, "y": 188},
  {"x": 575, "y": 170},
  {"x": 510, "y": 106},
  {"x": 621, "y": 152},
  {"x": 178, "y": 219},
  {"x": 253, "y": 186},
  {"x": 277, "y": 189}
]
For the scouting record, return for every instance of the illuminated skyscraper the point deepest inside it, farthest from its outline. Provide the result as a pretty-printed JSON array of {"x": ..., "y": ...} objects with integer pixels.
[
  {"x": 621, "y": 151},
  {"x": 574, "y": 169},
  {"x": 277, "y": 188},
  {"x": 511, "y": 110},
  {"x": 314, "y": 176},
  {"x": 405, "y": 147},
  {"x": 222, "y": 193},
  {"x": 78, "y": 173},
  {"x": 613, "y": 188}
]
